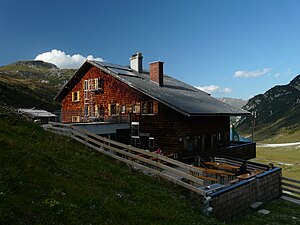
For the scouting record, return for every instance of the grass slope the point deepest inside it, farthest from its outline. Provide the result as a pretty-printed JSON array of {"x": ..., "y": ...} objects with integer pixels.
[
  {"x": 48, "y": 179},
  {"x": 31, "y": 86},
  {"x": 288, "y": 158}
]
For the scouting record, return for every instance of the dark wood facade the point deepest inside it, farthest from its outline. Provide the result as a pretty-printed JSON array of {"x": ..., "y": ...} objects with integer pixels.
[{"x": 154, "y": 125}]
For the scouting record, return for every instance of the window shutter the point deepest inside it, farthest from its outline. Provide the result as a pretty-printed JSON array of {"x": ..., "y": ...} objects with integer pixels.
[
  {"x": 96, "y": 83},
  {"x": 78, "y": 96},
  {"x": 109, "y": 109},
  {"x": 72, "y": 96},
  {"x": 96, "y": 111},
  {"x": 117, "y": 108},
  {"x": 155, "y": 107}
]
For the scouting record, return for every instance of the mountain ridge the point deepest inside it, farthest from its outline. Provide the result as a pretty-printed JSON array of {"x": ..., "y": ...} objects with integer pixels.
[
  {"x": 27, "y": 84},
  {"x": 236, "y": 102},
  {"x": 277, "y": 111},
  {"x": 34, "y": 63}
]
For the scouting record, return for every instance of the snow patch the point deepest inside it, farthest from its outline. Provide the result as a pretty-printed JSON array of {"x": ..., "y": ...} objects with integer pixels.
[
  {"x": 280, "y": 145},
  {"x": 285, "y": 164}
]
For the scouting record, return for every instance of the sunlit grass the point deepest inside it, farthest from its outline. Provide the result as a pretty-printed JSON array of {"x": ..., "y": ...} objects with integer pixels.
[{"x": 288, "y": 158}]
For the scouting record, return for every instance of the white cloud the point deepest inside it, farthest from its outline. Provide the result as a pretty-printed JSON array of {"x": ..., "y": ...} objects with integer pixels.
[
  {"x": 248, "y": 74},
  {"x": 215, "y": 89},
  {"x": 62, "y": 60},
  {"x": 276, "y": 75},
  {"x": 226, "y": 90}
]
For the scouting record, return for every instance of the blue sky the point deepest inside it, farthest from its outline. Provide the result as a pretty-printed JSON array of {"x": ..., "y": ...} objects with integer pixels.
[{"x": 231, "y": 48}]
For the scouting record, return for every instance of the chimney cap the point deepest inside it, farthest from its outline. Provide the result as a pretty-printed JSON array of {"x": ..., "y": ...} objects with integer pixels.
[
  {"x": 157, "y": 61},
  {"x": 137, "y": 54},
  {"x": 136, "y": 62}
]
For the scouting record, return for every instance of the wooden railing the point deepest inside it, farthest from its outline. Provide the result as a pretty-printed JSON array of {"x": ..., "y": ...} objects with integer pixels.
[
  {"x": 159, "y": 165},
  {"x": 291, "y": 187}
]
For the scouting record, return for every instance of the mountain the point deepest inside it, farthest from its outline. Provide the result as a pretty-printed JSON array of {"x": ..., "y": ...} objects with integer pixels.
[
  {"x": 34, "y": 64},
  {"x": 238, "y": 103},
  {"x": 32, "y": 84},
  {"x": 277, "y": 111}
]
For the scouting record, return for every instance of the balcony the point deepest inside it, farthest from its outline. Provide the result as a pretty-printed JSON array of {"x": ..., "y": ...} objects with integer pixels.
[{"x": 96, "y": 124}]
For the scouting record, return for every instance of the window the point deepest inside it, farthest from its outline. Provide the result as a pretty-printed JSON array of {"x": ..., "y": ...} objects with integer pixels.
[
  {"x": 151, "y": 142},
  {"x": 86, "y": 85},
  {"x": 137, "y": 108},
  {"x": 113, "y": 109},
  {"x": 135, "y": 128},
  {"x": 75, "y": 119},
  {"x": 135, "y": 141},
  {"x": 86, "y": 110},
  {"x": 101, "y": 85},
  {"x": 149, "y": 108},
  {"x": 129, "y": 108},
  {"x": 75, "y": 96},
  {"x": 221, "y": 139},
  {"x": 188, "y": 143},
  {"x": 94, "y": 84},
  {"x": 123, "y": 109}
]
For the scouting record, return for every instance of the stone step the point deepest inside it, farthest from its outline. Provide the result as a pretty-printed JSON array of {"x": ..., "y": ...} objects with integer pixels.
[{"x": 256, "y": 205}]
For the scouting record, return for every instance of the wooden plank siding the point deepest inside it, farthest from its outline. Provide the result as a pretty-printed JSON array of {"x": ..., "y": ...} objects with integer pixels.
[
  {"x": 115, "y": 92},
  {"x": 171, "y": 130}
]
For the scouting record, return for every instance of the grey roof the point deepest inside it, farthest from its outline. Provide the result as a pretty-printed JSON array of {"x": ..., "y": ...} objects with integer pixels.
[
  {"x": 176, "y": 94},
  {"x": 36, "y": 113}
]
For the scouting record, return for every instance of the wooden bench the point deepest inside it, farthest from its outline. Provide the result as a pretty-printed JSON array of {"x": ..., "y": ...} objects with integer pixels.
[
  {"x": 233, "y": 181},
  {"x": 207, "y": 178}
]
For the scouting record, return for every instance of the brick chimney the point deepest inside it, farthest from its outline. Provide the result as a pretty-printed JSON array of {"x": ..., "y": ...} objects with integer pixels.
[
  {"x": 136, "y": 62},
  {"x": 157, "y": 72}
]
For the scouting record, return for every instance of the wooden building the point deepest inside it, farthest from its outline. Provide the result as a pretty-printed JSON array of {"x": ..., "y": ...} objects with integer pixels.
[{"x": 161, "y": 112}]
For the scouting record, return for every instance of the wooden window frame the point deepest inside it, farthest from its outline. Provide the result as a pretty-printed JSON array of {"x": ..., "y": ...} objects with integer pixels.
[
  {"x": 75, "y": 119},
  {"x": 136, "y": 108},
  {"x": 149, "y": 108},
  {"x": 75, "y": 96},
  {"x": 135, "y": 141},
  {"x": 151, "y": 143},
  {"x": 113, "y": 111},
  {"x": 136, "y": 129}
]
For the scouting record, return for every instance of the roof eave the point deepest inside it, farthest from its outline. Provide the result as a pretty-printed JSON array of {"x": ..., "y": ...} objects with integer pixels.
[
  {"x": 221, "y": 114},
  {"x": 75, "y": 78}
]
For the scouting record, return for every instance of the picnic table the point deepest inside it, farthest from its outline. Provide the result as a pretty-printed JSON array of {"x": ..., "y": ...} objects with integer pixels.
[
  {"x": 223, "y": 166},
  {"x": 219, "y": 174},
  {"x": 246, "y": 176}
]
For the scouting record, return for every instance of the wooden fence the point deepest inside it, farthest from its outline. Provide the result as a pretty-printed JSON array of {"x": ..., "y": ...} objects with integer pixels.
[
  {"x": 159, "y": 165},
  {"x": 291, "y": 187}
]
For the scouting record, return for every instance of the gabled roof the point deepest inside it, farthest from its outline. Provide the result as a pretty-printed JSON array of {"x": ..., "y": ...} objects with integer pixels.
[{"x": 176, "y": 94}]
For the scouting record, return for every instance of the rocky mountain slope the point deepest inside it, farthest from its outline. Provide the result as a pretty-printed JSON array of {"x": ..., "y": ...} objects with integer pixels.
[
  {"x": 238, "y": 103},
  {"x": 277, "y": 111},
  {"x": 32, "y": 84}
]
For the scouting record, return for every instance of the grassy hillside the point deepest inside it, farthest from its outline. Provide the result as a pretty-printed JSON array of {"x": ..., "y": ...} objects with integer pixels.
[
  {"x": 48, "y": 179},
  {"x": 31, "y": 84}
]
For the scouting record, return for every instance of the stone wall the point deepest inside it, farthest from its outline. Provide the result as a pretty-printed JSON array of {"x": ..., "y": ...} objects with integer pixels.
[{"x": 236, "y": 200}]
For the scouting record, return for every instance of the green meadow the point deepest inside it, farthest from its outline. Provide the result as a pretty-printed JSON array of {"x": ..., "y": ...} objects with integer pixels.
[{"x": 49, "y": 179}]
